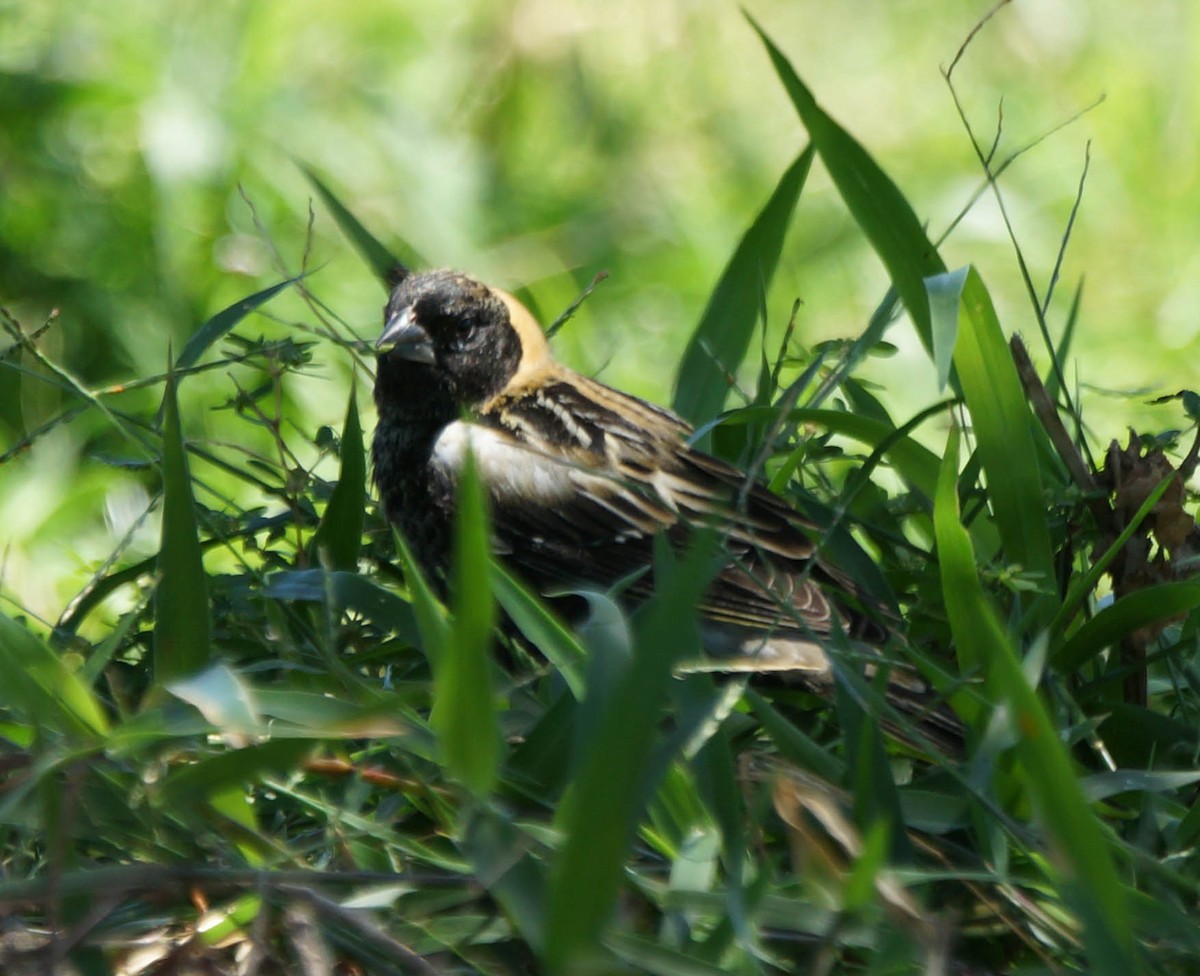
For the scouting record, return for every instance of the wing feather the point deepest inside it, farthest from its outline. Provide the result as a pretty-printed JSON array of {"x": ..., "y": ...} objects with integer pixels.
[{"x": 581, "y": 478}]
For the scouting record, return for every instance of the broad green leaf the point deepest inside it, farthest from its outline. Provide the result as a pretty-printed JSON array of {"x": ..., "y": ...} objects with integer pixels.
[
  {"x": 720, "y": 340},
  {"x": 1100, "y": 786},
  {"x": 233, "y": 802},
  {"x": 208, "y": 776},
  {"x": 464, "y": 712},
  {"x": 339, "y": 536},
  {"x": 657, "y": 958},
  {"x": 220, "y": 324},
  {"x": 540, "y": 765},
  {"x": 182, "y": 643},
  {"x": 1090, "y": 878},
  {"x": 934, "y": 812},
  {"x": 873, "y": 199},
  {"x": 297, "y": 714}
]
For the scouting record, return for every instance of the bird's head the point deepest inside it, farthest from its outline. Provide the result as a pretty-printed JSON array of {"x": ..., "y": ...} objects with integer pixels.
[{"x": 444, "y": 328}]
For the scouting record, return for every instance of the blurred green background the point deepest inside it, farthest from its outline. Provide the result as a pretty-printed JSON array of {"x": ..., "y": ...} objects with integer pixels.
[{"x": 149, "y": 178}]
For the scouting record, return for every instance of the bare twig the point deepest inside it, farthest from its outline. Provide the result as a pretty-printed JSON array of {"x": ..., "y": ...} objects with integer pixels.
[
  {"x": 1047, "y": 413},
  {"x": 971, "y": 36},
  {"x": 1062, "y": 247},
  {"x": 571, "y": 309}
]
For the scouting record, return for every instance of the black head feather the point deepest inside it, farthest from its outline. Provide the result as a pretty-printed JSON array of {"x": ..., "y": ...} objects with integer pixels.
[{"x": 445, "y": 329}]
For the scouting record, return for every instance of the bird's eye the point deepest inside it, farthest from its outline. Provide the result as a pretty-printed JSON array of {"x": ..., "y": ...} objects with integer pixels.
[
  {"x": 447, "y": 323},
  {"x": 460, "y": 331}
]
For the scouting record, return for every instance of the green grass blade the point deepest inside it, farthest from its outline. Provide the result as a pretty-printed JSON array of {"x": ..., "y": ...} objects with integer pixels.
[
  {"x": 190, "y": 785},
  {"x": 869, "y": 774},
  {"x": 944, "y": 291},
  {"x": 378, "y": 258},
  {"x": 542, "y": 628},
  {"x": 1139, "y": 609},
  {"x": 793, "y": 744},
  {"x": 1083, "y": 586},
  {"x": 699, "y": 704},
  {"x": 912, "y": 460},
  {"x": 1002, "y": 424},
  {"x": 464, "y": 712},
  {"x": 600, "y": 815},
  {"x": 499, "y": 852},
  {"x": 1090, "y": 880},
  {"x": 220, "y": 324},
  {"x": 39, "y": 685},
  {"x": 720, "y": 340},
  {"x": 339, "y": 536},
  {"x": 182, "y": 642},
  {"x": 1063, "y": 352},
  {"x": 873, "y": 199},
  {"x": 657, "y": 958},
  {"x": 433, "y": 623}
]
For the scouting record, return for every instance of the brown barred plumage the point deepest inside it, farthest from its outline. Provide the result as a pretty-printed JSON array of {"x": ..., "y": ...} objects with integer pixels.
[{"x": 581, "y": 478}]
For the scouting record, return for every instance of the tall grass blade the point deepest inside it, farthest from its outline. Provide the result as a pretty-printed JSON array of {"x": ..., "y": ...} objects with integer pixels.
[
  {"x": 182, "y": 628},
  {"x": 1142, "y": 608},
  {"x": 873, "y": 199},
  {"x": 1090, "y": 880},
  {"x": 607, "y": 801},
  {"x": 1002, "y": 423},
  {"x": 464, "y": 712},
  {"x": 379, "y": 259},
  {"x": 339, "y": 536},
  {"x": 719, "y": 342},
  {"x": 220, "y": 324},
  {"x": 542, "y": 628}
]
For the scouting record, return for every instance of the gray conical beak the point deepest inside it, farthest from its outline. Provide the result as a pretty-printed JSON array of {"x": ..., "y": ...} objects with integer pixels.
[{"x": 403, "y": 337}]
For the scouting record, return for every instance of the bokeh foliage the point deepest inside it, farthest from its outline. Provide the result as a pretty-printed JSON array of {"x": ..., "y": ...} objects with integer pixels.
[{"x": 351, "y": 748}]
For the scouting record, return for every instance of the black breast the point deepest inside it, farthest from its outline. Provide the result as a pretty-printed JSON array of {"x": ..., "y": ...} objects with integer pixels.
[{"x": 419, "y": 501}]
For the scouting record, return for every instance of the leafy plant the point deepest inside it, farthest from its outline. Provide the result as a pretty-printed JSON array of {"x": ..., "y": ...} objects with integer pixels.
[{"x": 286, "y": 742}]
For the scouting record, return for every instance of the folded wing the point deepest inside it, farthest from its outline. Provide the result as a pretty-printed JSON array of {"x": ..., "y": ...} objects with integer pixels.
[{"x": 581, "y": 478}]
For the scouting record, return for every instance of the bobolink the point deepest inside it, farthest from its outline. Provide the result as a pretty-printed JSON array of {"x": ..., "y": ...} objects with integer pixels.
[{"x": 581, "y": 478}]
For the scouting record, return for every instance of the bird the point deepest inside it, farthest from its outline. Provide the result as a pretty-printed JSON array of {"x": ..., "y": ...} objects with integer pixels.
[{"x": 580, "y": 478}]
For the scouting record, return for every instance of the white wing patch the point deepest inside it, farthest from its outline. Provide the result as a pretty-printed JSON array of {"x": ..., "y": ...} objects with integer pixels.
[
  {"x": 514, "y": 473},
  {"x": 509, "y": 470}
]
